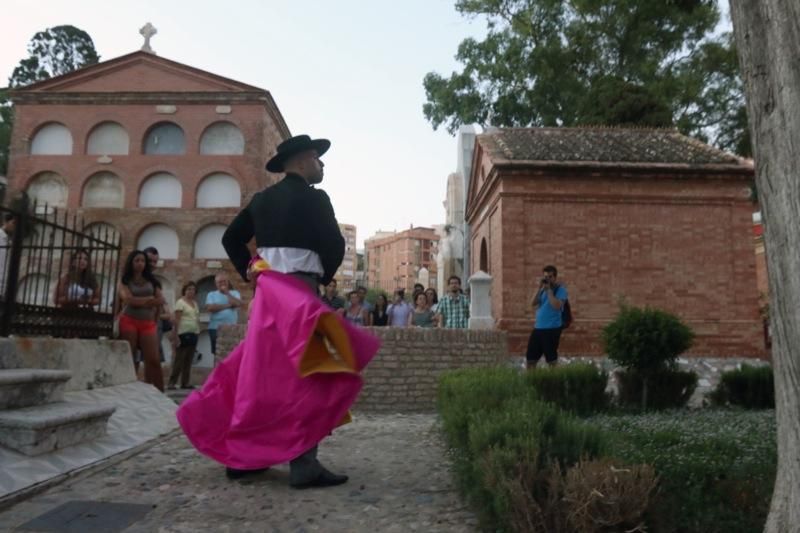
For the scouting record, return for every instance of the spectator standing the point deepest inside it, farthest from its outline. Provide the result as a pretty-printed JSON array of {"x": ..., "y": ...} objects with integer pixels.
[
  {"x": 433, "y": 299},
  {"x": 399, "y": 310},
  {"x": 548, "y": 304},
  {"x": 355, "y": 312},
  {"x": 422, "y": 316},
  {"x": 78, "y": 287},
  {"x": 418, "y": 288},
  {"x": 378, "y": 316},
  {"x": 330, "y": 297},
  {"x": 362, "y": 297},
  {"x": 141, "y": 299},
  {"x": 164, "y": 319},
  {"x": 453, "y": 309},
  {"x": 223, "y": 304},
  {"x": 187, "y": 324}
]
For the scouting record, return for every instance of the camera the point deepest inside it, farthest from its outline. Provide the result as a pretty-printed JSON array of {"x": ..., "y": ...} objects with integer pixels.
[{"x": 545, "y": 281}]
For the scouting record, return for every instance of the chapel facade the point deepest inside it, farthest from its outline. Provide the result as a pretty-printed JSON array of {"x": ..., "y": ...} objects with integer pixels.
[{"x": 157, "y": 152}]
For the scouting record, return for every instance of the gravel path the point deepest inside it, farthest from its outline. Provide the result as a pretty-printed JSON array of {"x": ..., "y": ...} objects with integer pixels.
[{"x": 399, "y": 481}]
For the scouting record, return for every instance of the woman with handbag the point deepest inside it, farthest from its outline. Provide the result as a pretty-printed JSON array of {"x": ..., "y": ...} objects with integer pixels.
[{"x": 187, "y": 324}]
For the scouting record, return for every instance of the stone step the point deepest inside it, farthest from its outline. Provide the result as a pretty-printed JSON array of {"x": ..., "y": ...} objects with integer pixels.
[
  {"x": 24, "y": 387},
  {"x": 44, "y": 428}
]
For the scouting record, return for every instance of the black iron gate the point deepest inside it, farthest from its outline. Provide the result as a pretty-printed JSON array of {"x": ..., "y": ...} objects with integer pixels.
[{"x": 44, "y": 289}]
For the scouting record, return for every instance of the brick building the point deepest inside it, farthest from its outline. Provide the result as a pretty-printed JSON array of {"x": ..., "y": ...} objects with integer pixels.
[
  {"x": 160, "y": 153},
  {"x": 650, "y": 216},
  {"x": 402, "y": 259}
]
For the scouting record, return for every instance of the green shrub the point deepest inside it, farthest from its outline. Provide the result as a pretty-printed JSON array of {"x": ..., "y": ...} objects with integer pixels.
[
  {"x": 499, "y": 431},
  {"x": 647, "y": 341},
  {"x": 716, "y": 466},
  {"x": 749, "y": 387},
  {"x": 666, "y": 389},
  {"x": 578, "y": 388}
]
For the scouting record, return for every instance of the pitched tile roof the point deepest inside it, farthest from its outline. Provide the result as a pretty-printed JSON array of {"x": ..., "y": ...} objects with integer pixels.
[{"x": 601, "y": 145}]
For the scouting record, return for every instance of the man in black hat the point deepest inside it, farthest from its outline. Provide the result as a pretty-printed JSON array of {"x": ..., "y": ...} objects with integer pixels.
[{"x": 297, "y": 233}]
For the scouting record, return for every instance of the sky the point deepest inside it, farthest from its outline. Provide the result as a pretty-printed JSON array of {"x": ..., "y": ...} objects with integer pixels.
[{"x": 347, "y": 70}]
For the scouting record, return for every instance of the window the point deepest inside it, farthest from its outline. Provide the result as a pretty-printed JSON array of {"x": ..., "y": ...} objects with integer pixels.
[
  {"x": 103, "y": 189},
  {"x": 48, "y": 188},
  {"x": 164, "y": 238},
  {"x": 208, "y": 243},
  {"x": 219, "y": 190},
  {"x": 52, "y": 139},
  {"x": 222, "y": 138},
  {"x": 161, "y": 190},
  {"x": 108, "y": 138},
  {"x": 165, "y": 138}
]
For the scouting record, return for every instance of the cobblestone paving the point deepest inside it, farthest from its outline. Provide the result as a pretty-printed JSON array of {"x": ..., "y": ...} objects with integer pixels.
[{"x": 399, "y": 481}]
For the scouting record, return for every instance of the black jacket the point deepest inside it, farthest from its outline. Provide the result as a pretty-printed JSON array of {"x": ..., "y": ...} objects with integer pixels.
[{"x": 289, "y": 214}]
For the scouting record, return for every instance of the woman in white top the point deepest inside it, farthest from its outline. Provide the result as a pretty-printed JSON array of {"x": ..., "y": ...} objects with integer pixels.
[{"x": 78, "y": 287}]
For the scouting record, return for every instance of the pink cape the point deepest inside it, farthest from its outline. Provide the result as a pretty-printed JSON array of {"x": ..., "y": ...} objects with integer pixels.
[{"x": 285, "y": 387}]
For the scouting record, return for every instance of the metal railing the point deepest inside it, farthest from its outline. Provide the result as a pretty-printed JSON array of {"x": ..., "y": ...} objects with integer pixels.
[{"x": 43, "y": 288}]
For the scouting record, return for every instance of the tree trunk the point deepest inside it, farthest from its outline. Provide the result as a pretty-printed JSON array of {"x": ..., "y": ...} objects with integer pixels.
[{"x": 768, "y": 41}]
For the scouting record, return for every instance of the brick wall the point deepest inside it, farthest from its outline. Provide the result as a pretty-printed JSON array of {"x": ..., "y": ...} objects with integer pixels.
[
  {"x": 679, "y": 242},
  {"x": 405, "y": 372}
]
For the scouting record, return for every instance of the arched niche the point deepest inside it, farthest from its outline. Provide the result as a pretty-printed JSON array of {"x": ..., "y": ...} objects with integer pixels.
[
  {"x": 161, "y": 190},
  {"x": 208, "y": 243},
  {"x": 48, "y": 188},
  {"x": 484, "y": 261},
  {"x": 222, "y": 138},
  {"x": 164, "y": 138},
  {"x": 219, "y": 190},
  {"x": 162, "y": 237},
  {"x": 108, "y": 138},
  {"x": 102, "y": 231},
  {"x": 52, "y": 139},
  {"x": 103, "y": 189}
]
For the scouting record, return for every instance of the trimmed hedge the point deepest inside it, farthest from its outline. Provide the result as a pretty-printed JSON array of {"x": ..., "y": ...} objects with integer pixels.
[
  {"x": 749, "y": 387},
  {"x": 579, "y": 388},
  {"x": 716, "y": 467},
  {"x": 499, "y": 433},
  {"x": 667, "y": 389}
]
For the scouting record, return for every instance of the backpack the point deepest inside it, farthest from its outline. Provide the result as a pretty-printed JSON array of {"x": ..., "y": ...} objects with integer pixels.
[{"x": 566, "y": 314}]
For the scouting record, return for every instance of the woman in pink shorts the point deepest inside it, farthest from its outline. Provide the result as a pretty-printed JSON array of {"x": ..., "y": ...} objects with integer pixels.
[{"x": 140, "y": 295}]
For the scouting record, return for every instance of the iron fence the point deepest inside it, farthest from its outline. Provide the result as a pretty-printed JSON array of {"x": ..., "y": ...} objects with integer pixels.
[{"x": 57, "y": 277}]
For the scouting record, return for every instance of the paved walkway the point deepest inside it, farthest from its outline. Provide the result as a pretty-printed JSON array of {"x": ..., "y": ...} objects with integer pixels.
[{"x": 399, "y": 481}]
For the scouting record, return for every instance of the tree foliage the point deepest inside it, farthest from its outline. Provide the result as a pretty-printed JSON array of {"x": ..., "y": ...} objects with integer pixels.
[
  {"x": 580, "y": 62},
  {"x": 52, "y": 52}
]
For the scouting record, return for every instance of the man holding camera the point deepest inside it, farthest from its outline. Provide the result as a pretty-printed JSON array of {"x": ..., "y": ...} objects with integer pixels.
[{"x": 548, "y": 304}]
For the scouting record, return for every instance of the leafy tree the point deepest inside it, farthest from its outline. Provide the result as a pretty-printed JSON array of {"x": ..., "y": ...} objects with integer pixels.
[
  {"x": 52, "y": 52},
  {"x": 580, "y": 62}
]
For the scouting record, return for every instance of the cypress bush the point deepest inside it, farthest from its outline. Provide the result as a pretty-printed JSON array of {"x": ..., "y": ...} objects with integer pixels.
[
  {"x": 749, "y": 387},
  {"x": 647, "y": 342}
]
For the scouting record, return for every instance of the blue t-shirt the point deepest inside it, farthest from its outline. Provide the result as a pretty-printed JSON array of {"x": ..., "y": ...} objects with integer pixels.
[
  {"x": 547, "y": 316},
  {"x": 225, "y": 316}
]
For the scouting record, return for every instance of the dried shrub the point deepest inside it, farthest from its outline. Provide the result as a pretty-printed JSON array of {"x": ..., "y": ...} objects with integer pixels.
[{"x": 602, "y": 495}]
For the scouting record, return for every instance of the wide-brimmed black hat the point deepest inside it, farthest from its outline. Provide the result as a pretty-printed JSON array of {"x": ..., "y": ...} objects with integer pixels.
[{"x": 295, "y": 145}]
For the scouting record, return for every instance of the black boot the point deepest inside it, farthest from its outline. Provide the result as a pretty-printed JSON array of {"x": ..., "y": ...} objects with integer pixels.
[
  {"x": 325, "y": 478},
  {"x": 234, "y": 473}
]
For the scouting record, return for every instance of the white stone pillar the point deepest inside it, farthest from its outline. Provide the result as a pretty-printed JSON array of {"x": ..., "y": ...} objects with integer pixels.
[{"x": 480, "y": 303}]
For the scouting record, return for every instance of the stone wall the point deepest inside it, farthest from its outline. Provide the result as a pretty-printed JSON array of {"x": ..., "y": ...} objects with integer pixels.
[
  {"x": 404, "y": 374},
  {"x": 94, "y": 364}
]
